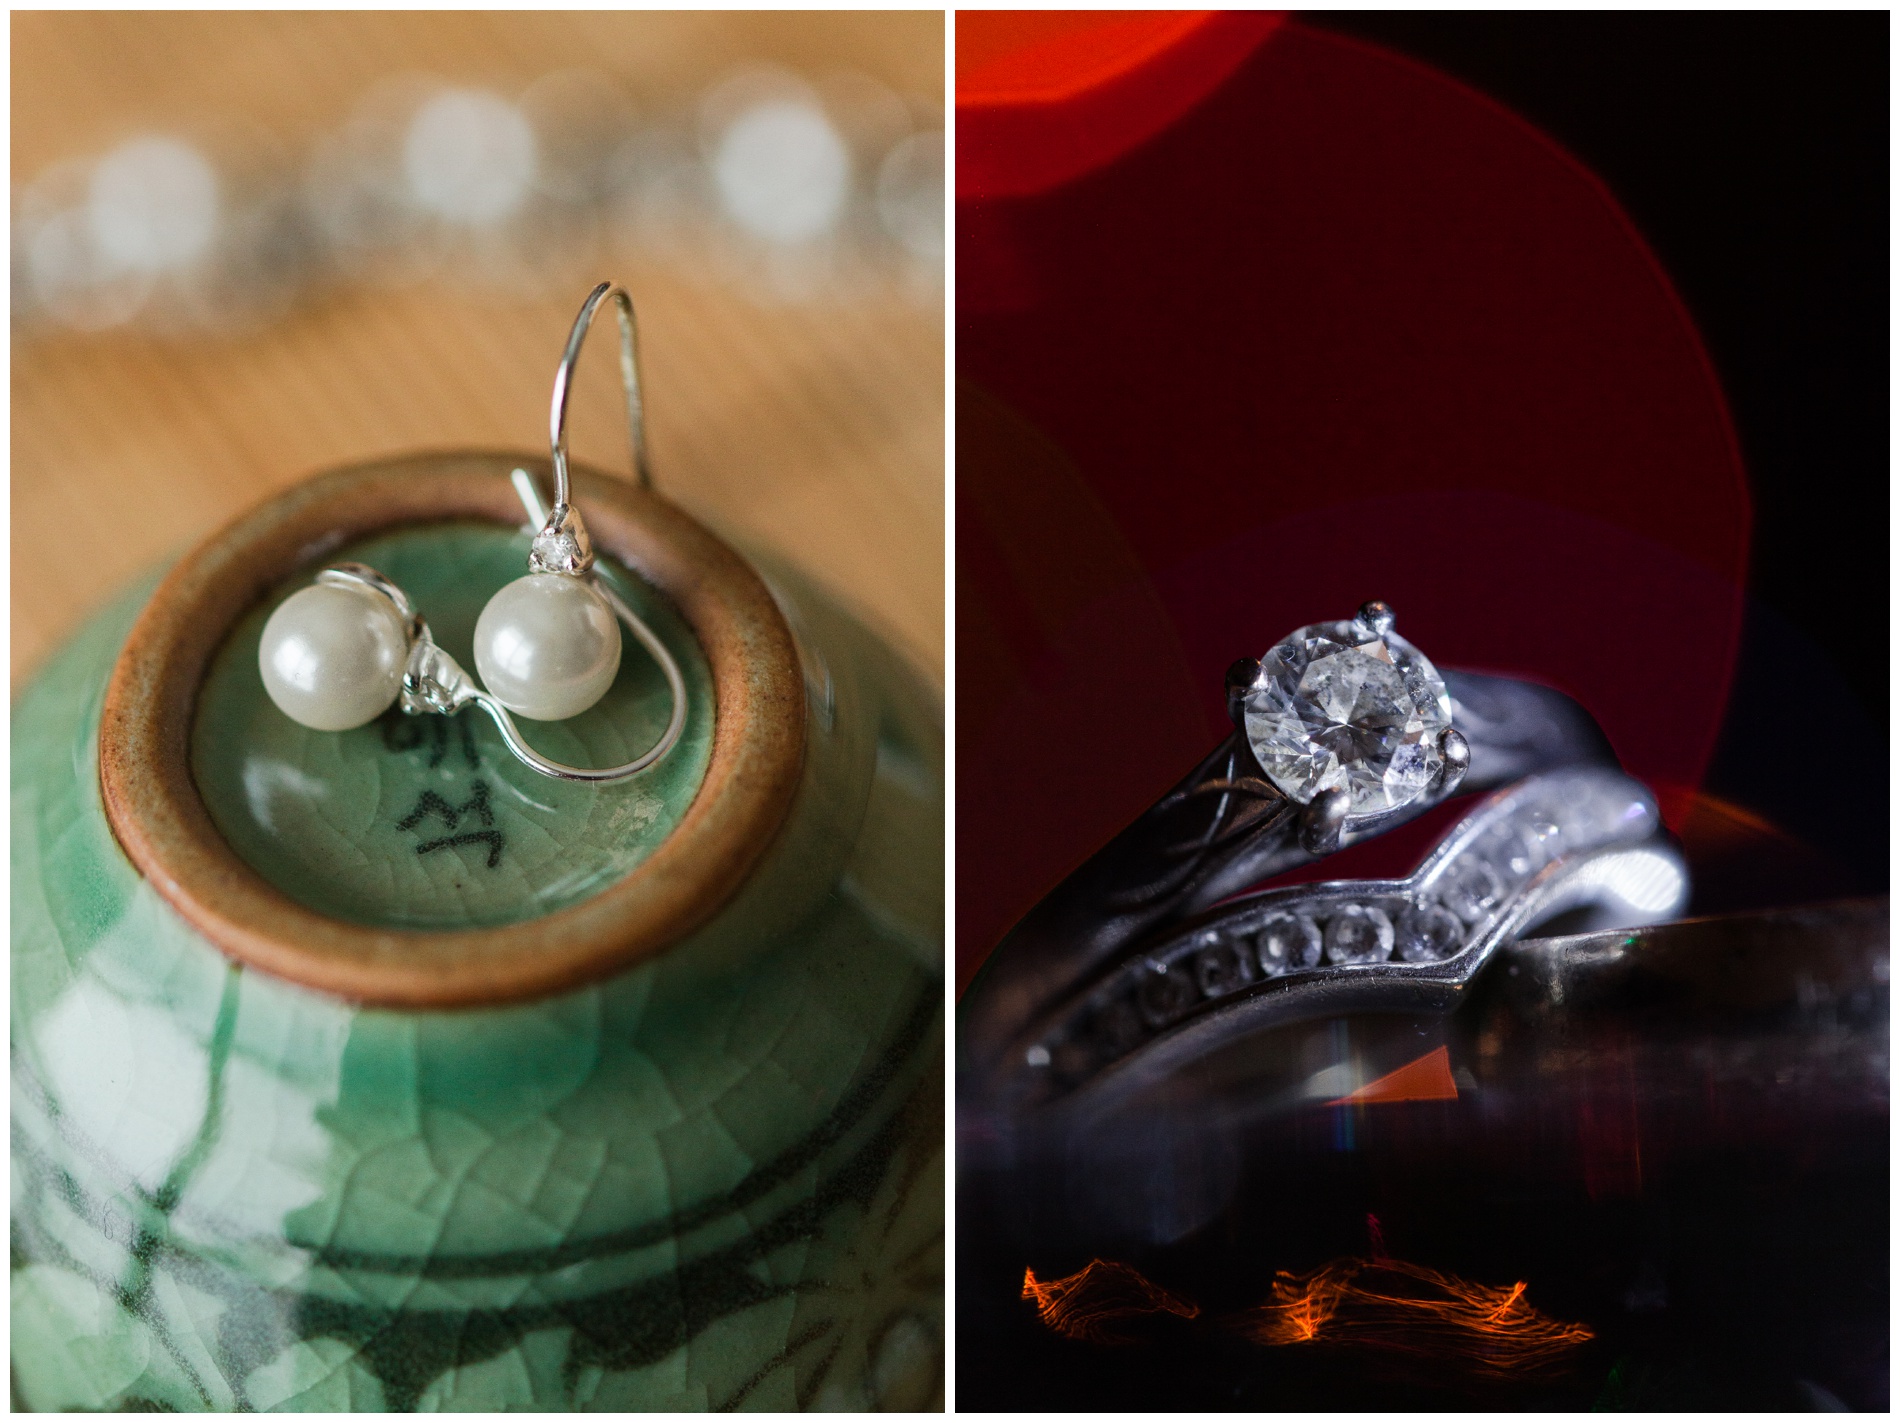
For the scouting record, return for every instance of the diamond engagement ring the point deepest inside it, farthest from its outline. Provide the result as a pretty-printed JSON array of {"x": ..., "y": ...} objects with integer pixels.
[
  {"x": 1585, "y": 840},
  {"x": 1341, "y": 731}
]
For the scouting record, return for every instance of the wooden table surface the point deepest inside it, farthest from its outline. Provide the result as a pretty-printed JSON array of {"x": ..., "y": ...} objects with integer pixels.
[{"x": 815, "y": 427}]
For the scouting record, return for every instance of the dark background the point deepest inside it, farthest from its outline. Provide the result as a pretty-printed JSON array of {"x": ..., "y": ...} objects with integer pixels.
[{"x": 1751, "y": 150}]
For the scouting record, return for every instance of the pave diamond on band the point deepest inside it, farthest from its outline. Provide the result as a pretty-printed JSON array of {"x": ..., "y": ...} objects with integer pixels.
[{"x": 1585, "y": 837}]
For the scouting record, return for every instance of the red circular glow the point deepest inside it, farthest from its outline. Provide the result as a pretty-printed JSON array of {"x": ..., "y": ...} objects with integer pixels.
[
  {"x": 1344, "y": 329},
  {"x": 1044, "y": 96}
]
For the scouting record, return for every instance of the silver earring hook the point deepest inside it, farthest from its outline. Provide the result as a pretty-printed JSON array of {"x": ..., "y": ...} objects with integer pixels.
[
  {"x": 562, "y": 545},
  {"x": 629, "y": 382}
]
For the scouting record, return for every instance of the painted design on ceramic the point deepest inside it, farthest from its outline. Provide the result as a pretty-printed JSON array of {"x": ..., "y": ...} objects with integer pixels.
[
  {"x": 715, "y": 1181},
  {"x": 430, "y": 804},
  {"x": 331, "y": 818}
]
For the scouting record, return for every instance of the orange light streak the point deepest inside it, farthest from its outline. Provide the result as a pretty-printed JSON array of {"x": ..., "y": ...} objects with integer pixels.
[
  {"x": 1412, "y": 1309},
  {"x": 1424, "y": 1079},
  {"x": 1094, "y": 1302},
  {"x": 1382, "y": 1304}
]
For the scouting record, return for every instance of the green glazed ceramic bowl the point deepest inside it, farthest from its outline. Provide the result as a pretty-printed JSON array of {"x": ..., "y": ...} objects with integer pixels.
[{"x": 704, "y": 1172}]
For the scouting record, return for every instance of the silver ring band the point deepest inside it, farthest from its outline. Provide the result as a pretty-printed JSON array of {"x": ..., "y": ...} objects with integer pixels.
[{"x": 1583, "y": 837}]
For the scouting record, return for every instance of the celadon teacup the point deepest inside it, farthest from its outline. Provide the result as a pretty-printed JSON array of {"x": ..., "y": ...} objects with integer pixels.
[{"x": 371, "y": 1070}]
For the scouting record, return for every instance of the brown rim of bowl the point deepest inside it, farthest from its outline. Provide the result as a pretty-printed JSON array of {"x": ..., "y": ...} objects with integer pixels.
[{"x": 151, "y": 698}]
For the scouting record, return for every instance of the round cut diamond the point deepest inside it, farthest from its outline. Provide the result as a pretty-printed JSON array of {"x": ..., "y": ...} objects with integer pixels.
[
  {"x": 1358, "y": 933},
  {"x": 1342, "y": 704},
  {"x": 1428, "y": 932},
  {"x": 1166, "y": 993},
  {"x": 1471, "y": 889},
  {"x": 1286, "y": 942},
  {"x": 1221, "y": 969}
]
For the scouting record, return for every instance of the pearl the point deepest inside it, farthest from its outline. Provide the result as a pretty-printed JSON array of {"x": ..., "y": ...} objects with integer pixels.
[
  {"x": 547, "y": 646},
  {"x": 333, "y": 657}
]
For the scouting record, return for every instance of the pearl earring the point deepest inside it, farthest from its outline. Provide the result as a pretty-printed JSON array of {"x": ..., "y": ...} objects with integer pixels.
[
  {"x": 334, "y": 654},
  {"x": 547, "y": 646}
]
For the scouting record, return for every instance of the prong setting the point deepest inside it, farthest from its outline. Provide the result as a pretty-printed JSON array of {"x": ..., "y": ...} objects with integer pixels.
[
  {"x": 433, "y": 683},
  {"x": 1323, "y": 820},
  {"x": 1456, "y": 751},
  {"x": 1378, "y": 616},
  {"x": 1240, "y": 677},
  {"x": 563, "y": 545}
]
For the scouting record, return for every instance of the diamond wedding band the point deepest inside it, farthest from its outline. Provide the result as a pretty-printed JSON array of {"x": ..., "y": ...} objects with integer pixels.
[
  {"x": 1581, "y": 839},
  {"x": 1342, "y": 730}
]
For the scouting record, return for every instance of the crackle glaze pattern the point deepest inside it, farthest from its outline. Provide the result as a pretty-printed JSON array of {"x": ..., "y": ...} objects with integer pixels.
[{"x": 713, "y": 1182}]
